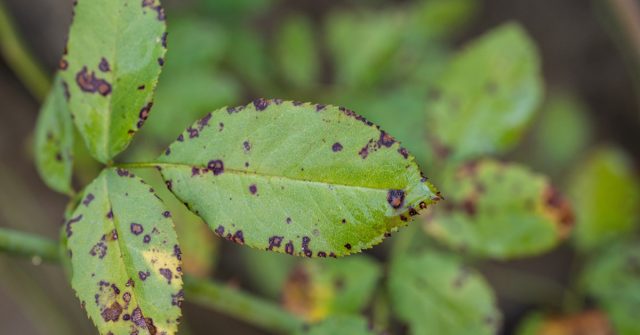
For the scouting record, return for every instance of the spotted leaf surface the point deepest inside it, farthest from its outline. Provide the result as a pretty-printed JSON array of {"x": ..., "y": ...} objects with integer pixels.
[
  {"x": 54, "y": 141},
  {"x": 125, "y": 257},
  {"x": 110, "y": 69},
  {"x": 302, "y": 179},
  {"x": 501, "y": 211},
  {"x": 487, "y": 96},
  {"x": 606, "y": 192},
  {"x": 612, "y": 279},
  {"x": 436, "y": 294},
  {"x": 352, "y": 325},
  {"x": 316, "y": 290}
]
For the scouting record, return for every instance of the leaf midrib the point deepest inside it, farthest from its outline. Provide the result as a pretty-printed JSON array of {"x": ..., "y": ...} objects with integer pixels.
[{"x": 266, "y": 176}]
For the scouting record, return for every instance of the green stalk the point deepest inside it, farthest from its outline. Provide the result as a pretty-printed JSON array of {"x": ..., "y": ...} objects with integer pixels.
[
  {"x": 19, "y": 59},
  {"x": 229, "y": 301},
  {"x": 27, "y": 245}
]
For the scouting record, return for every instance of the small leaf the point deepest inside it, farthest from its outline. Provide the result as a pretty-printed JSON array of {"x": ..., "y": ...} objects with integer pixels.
[
  {"x": 612, "y": 279},
  {"x": 591, "y": 322},
  {"x": 296, "y": 52},
  {"x": 316, "y": 290},
  {"x": 501, "y": 211},
  {"x": 115, "y": 53},
  {"x": 303, "y": 179},
  {"x": 342, "y": 324},
  {"x": 125, "y": 257},
  {"x": 606, "y": 192},
  {"x": 487, "y": 96},
  {"x": 435, "y": 294},
  {"x": 54, "y": 141}
]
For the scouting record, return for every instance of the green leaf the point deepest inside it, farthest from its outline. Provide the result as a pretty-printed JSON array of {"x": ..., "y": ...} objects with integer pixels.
[
  {"x": 487, "y": 96},
  {"x": 378, "y": 36},
  {"x": 316, "y": 290},
  {"x": 436, "y": 294},
  {"x": 296, "y": 52},
  {"x": 54, "y": 141},
  {"x": 115, "y": 53},
  {"x": 612, "y": 279},
  {"x": 561, "y": 135},
  {"x": 343, "y": 324},
  {"x": 440, "y": 18},
  {"x": 501, "y": 211},
  {"x": 606, "y": 192},
  {"x": 302, "y": 179},
  {"x": 125, "y": 257}
]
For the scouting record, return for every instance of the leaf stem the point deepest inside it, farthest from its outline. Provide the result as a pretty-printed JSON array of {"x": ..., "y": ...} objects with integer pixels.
[
  {"x": 28, "y": 245},
  {"x": 20, "y": 59},
  {"x": 224, "y": 299},
  {"x": 241, "y": 305}
]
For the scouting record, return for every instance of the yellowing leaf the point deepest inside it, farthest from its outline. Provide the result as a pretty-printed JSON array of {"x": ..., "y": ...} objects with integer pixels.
[{"x": 125, "y": 257}]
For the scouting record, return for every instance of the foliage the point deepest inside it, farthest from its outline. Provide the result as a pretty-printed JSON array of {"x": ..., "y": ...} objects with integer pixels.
[{"x": 317, "y": 180}]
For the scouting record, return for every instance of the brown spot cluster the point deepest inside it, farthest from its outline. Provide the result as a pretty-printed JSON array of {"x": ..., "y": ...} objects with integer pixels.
[
  {"x": 136, "y": 228},
  {"x": 354, "y": 115},
  {"x": 177, "y": 299},
  {"x": 216, "y": 166},
  {"x": 154, "y": 5},
  {"x": 275, "y": 242},
  {"x": 88, "y": 82},
  {"x": 100, "y": 250},
  {"x": 63, "y": 64},
  {"x": 559, "y": 209},
  {"x": 395, "y": 198},
  {"x": 144, "y": 114},
  {"x": 261, "y": 104},
  {"x": 167, "y": 274},
  {"x": 237, "y": 237},
  {"x": 385, "y": 140}
]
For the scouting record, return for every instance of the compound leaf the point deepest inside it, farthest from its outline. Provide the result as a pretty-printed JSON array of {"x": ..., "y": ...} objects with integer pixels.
[
  {"x": 487, "y": 96},
  {"x": 303, "y": 179},
  {"x": 54, "y": 141},
  {"x": 113, "y": 59},
  {"x": 436, "y": 294},
  {"x": 125, "y": 257},
  {"x": 500, "y": 210}
]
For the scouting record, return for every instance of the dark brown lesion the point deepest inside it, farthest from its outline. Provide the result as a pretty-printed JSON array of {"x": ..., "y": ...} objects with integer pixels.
[
  {"x": 395, "y": 198},
  {"x": 144, "y": 114},
  {"x": 275, "y": 242},
  {"x": 88, "y": 82},
  {"x": 152, "y": 4},
  {"x": 112, "y": 313},
  {"x": 104, "y": 65}
]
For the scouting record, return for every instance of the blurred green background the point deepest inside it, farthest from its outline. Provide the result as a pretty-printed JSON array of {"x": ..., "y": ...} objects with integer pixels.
[{"x": 390, "y": 61}]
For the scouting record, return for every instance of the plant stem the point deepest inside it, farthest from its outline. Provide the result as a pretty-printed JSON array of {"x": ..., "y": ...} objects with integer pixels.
[
  {"x": 19, "y": 59},
  {"x": 229, "y": 301},
  {"x": 241, "y": 305},
  {"x": 27, "y": 245}
]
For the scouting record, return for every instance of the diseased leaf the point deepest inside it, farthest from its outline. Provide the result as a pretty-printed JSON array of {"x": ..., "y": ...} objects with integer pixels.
[
  {"x": 125, "y": 257},
  {"x": 54, "y": 141},
  {"x": 296, "y": 52},
  {"x": 436, "y": 294},
  {"x": 316, "y": 290},
  {"x": 606, "y": 193},
  {"x": 612, "y": 279},
  {"x": 342, "y": 324},
  {"x": 592, "y": 322},
  {"x": 110, "y": 70},
  {"x": 487, "y": 96},
  {"x": 303, "y": 179},
  {"x": 501, "y": 211}
]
